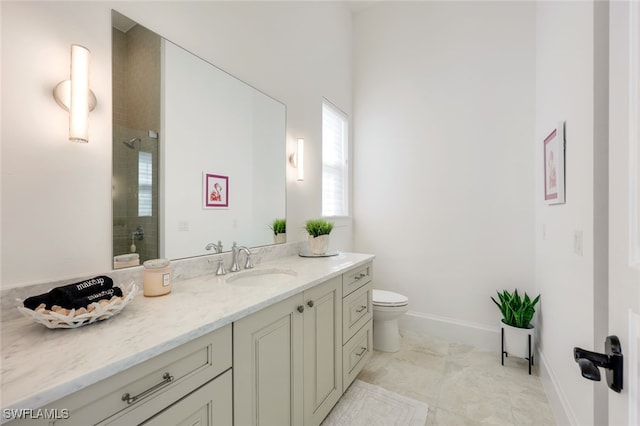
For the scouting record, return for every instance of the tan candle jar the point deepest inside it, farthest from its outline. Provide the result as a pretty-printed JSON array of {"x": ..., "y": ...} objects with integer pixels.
[{"x": 157, "y": 277}]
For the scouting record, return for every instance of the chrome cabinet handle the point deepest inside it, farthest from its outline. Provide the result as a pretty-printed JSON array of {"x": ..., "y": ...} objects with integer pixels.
[
  {"x": 362, "y": 351},
  {"x": 301, "y": 309},
  {"x": 168, "y": 378},
  {"x": 362, "y": 308},
  {"x": 310, "y": 303}
]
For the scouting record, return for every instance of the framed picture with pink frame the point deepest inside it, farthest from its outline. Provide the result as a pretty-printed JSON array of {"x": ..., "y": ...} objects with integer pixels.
[
  {"x": 216, "y": 191},
  {"x": 553, "y": 159}
]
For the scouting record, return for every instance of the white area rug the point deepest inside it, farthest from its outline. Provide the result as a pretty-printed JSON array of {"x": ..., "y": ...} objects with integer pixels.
[{"x": 364, "y": 404}]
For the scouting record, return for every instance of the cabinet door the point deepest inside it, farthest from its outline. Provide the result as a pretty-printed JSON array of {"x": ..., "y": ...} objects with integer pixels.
[
  {"x": 267, "y": 364},
  {"x": 322, "y": 350},
  {"x": 210, "y": 405}
]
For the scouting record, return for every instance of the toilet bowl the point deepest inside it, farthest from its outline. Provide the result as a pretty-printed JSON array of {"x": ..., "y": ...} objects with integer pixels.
[{"x": 387, "y": 308}]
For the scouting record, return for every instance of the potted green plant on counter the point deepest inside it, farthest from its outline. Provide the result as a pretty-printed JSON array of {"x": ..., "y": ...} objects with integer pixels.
[
  {"x": 517, "y": 330},
  {"x": 279, "y": 228},
  {"x": 318, "y": 230}
]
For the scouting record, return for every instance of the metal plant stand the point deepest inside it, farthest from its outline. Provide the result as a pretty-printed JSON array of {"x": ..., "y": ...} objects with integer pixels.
[{"x": 505, "y": 354}]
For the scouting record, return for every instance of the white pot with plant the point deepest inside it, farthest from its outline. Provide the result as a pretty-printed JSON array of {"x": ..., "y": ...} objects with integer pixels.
[
  {"x": 279, "y": 228},
  {"x": 517, "y": 313},
  {"x": 318, "y": 230}
]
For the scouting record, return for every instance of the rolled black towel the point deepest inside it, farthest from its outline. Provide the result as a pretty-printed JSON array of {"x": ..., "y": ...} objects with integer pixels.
[
  {"x": 34, "y": 301},
  {"x": 65, "y": 295},
  {"x": 83, "y": 302}
]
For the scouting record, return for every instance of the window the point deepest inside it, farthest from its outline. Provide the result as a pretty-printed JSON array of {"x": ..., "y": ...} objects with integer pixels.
[
  {"x": 145, "y": 180},
  {"x": 335, "y": 176}
]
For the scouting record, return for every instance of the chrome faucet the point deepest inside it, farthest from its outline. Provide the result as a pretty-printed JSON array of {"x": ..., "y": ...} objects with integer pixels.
[
  {"x": 235, "y": 253},
  {"x": 216, "y": 247},
  {"x": 221, "y": 270}
]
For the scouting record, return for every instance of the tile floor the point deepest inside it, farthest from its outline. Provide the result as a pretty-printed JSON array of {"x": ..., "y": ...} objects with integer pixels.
[{"x": 463, "y": 385}]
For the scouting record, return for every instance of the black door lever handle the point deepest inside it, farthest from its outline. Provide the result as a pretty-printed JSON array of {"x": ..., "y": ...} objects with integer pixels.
[{"x": 611, "y": 361}]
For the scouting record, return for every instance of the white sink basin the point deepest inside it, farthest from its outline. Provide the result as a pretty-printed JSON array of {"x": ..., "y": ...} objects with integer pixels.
[{"x": 261, "y": 277}]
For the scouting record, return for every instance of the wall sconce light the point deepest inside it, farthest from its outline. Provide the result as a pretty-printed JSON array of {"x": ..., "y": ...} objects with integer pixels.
[
  {"x": 74, "y": 95},
  {"x": 297, "y": 159}
]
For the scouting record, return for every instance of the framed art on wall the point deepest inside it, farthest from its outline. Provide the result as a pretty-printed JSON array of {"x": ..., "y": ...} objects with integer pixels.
[
  {"x": 554, "y": 166},
  {"x": 216, "y": 191}
]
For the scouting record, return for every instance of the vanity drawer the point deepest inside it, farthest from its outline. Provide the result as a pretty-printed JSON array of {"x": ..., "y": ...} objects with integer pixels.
[
  {"x": 356, "y": 353},
  {"x": 147, "y": 388},
  {"x": 356, "y": 278},
  {"x": 357, "y": 309},
  {"x": 185, "y": 369}
]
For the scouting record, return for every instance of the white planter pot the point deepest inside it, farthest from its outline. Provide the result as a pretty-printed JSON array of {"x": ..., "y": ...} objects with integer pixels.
[
  {"x": 280, "y": 238},
  {"x": 515, "y": 341},
  {"x": 319, "y": 244}
]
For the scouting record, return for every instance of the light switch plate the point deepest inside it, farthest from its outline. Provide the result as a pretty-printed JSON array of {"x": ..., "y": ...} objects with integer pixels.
[{"x": 577, "y": 242}]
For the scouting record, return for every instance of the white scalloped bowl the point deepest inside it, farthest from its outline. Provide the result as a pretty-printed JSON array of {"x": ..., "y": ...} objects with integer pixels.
[{"x": 101, "y": 312}]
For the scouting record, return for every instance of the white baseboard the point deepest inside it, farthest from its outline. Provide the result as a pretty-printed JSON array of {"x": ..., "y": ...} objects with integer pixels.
[
  {"x": 560, "y": 406},
  {"x": 452, "y": 329}
]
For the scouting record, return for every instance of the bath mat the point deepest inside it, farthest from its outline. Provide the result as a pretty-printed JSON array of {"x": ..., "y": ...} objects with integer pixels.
[{"x": 364, "y": 404}]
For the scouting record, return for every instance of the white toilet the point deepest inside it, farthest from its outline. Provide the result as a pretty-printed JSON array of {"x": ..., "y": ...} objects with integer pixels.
[{"x": 387, "y": 308}]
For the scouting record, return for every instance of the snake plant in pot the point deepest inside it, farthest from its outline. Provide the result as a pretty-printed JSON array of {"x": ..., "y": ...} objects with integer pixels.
[
  {"x": 517, "y": 313},
  {"x": 318, "y": 230}
]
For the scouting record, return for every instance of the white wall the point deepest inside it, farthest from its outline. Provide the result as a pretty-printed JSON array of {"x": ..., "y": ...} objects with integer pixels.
[
  {"x": 56, "y": 202},
  {"x": 444, "y": 96},
  {"x": 55, "y": 194},
  {"x": 569, "y": 87}
]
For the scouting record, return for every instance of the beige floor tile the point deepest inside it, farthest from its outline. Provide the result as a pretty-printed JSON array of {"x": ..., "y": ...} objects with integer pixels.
[
  {"x": 444, "y": 417},
  {"x": 431, "y": 417},
  {"x": 463, "y": 385},
  {"x": 478, "y": 406},
  {"x": 410, "y": 380}
]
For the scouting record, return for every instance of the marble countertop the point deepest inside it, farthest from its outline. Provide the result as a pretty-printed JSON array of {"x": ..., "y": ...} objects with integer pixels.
[{"x": 40, "y": 366}]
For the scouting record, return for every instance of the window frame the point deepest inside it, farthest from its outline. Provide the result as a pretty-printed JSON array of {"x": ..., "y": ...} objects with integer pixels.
[
  {"x": 145, "y": 184},
  {"x": 344, "y": 167}
]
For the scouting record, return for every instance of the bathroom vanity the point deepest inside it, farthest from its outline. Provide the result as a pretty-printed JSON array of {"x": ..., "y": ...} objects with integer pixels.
[{"x": 277, "y": 344}]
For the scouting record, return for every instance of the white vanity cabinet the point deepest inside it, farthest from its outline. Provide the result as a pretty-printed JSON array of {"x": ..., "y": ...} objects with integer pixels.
[
  {"x": 267, "y": 354},
  {"x": 357, "y": 308},
  {"x": 288, "y": 359},
  {"x": 322, "y": 350},
  {"x": 287, "y": 363},
  {"x": 182, "y": 385}
]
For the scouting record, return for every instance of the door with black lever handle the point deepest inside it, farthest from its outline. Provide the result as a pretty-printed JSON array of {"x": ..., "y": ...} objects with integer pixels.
[{"x": 611, "y": 361}]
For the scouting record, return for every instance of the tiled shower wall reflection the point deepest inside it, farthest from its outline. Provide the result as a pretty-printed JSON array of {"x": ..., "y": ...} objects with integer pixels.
[{"x": 136, "y": 114}]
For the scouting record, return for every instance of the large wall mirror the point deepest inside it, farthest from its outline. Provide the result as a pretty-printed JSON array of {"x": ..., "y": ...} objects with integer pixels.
[{"x": 198, "y": 155}]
